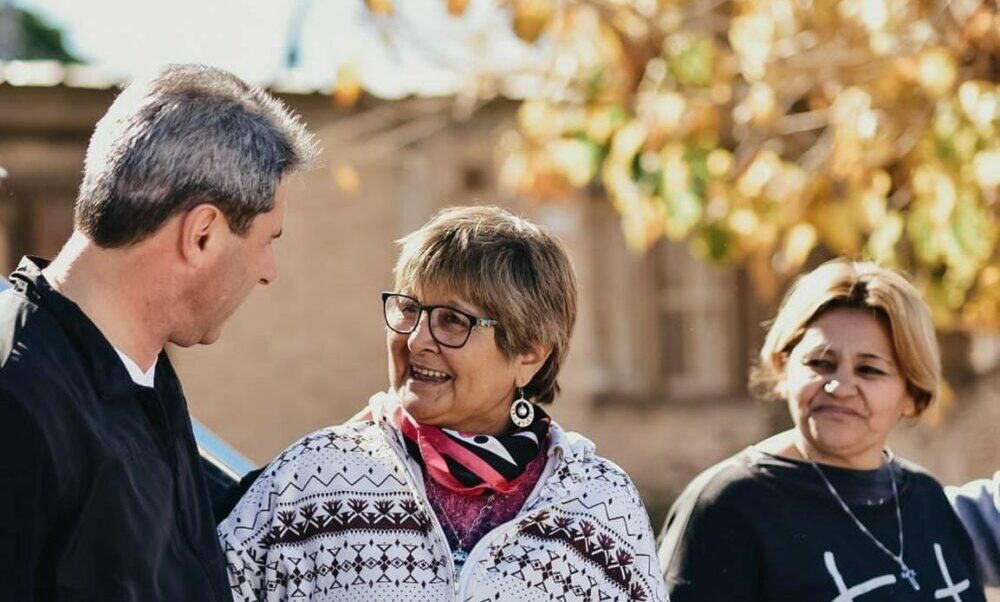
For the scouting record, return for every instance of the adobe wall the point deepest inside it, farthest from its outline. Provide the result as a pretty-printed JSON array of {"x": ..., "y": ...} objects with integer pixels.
[{"x": 309, "y": 350}]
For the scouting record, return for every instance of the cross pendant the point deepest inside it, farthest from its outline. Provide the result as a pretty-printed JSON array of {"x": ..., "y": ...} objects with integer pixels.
[{"x": 911, "y": 576}]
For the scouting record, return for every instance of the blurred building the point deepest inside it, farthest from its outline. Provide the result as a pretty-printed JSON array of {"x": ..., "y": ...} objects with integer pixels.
[{"x": 656, "y": 373}]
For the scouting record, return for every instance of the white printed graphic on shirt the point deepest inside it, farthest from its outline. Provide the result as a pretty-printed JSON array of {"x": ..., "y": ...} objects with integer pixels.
[
  {"x": 845, "y": 594},
  {"x": 953, "y": 589}
]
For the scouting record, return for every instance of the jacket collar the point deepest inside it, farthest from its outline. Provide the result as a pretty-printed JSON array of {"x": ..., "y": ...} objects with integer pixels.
[
  {"x": 384, "y": 404},
  {"x": 569, "y": 452},
  {"x": 108, "y": 374}
]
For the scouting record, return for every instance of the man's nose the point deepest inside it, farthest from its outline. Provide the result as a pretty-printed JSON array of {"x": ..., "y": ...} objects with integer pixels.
[{"x": 269, "y": 270}]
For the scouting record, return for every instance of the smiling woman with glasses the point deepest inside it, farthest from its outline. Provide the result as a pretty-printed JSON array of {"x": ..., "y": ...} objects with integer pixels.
[{"x": 459, "y": 486}]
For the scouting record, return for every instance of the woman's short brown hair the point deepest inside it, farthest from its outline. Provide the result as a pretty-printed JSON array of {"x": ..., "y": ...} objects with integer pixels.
[
  {"x": 856, "y": 285},
  {"x": 518, "y": 273}
]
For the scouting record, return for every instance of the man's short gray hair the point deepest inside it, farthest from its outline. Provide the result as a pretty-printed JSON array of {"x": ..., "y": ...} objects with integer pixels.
[{"x": 186, "y": 135}]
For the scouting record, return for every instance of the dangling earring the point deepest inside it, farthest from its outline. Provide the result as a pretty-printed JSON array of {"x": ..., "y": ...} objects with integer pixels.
[{"x": 522, "y": 412}]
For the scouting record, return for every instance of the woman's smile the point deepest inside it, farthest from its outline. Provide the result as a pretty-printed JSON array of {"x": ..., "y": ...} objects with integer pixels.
[
  {"x": 427, "y": 375},
  {"x": 835, "y": 411}
]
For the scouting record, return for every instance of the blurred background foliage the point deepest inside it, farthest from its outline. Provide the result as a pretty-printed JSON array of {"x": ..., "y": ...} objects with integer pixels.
[
  {"x": 766, "y": 133},
  {"x": 770, "y": 132},
  {"x": 25, "y": 35}
]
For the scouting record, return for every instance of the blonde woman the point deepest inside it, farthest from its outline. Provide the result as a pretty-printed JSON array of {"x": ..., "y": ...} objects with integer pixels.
[{"x": 825, "y": 511}]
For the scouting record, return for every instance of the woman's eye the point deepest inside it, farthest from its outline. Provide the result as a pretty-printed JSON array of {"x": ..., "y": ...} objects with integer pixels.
[
  {"x": 870, "y": 370},
  {"x": 452, "y": 319},
  {"x": 820, "y": 364},
  {"x": 409, "y": 309}
]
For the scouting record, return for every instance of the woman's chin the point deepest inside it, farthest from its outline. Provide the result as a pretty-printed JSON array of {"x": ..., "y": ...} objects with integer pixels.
[
  {"x": 412, "y": 390},
  {"x": 411, "y": 402},
  {"x": 832, "y": 436},
  {"x": 420, "y": 407},
  {"x": 837, "y": 442}
]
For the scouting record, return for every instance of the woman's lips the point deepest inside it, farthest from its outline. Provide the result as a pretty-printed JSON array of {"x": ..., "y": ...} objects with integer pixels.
[
  {"x": 427, "y": 375},
  {"x": 835, "y": 411}
]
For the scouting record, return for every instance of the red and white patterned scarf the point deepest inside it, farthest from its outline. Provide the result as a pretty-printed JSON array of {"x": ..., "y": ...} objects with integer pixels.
[{"x": 473, "y": 464}]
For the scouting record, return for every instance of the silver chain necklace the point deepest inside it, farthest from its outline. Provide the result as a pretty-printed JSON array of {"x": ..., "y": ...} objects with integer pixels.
[
  {"x": 460, "y": 553},
  {"x": 905, "y": 571}
]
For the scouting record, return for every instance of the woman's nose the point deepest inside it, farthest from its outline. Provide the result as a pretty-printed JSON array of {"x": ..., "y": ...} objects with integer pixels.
[
  {"x": 421, "y": 335},
  {"x": 842, "y": 384}
]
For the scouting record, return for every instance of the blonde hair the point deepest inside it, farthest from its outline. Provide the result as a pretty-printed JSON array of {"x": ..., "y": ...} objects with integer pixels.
[
  {"x": 518, "y": 273},
  {"x": 856, "y": 285}
]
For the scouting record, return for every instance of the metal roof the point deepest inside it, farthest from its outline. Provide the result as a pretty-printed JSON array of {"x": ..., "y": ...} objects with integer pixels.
[{"x": 45, "y": 74}]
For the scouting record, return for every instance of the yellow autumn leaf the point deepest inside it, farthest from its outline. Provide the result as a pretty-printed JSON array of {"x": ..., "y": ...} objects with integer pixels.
[
  {"x": 456, "y": 8},
  {"x": 987, "y": 168},
  {"x": 980, "y": 101},
  {"x": 577, "y": 159},
  {"x": 837, "y": 229},
  {"x": 936, "y": 71},
  {"x": 719, "y": 163},
  {"x": 759, "y": 107},
  {"x": 882, "y": 242},
  {"x": 531, "y": 17},
  {"x": 799, "y": 242},
  {"x": 346, "y": 177},
  {"x": 752, "y": 36},
  {"x": 627, "y": 142},
  {"x": 348, "y": 87},
  {"x": 743, "y": 222},
  {"x": 380, "y": 7},
  {"x": 765, "y": 166}
]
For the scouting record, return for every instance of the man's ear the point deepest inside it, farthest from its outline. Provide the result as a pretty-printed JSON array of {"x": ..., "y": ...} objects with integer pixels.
[
  {"x": 530, "y": 362},
  {"x": 201, "y": 230}
]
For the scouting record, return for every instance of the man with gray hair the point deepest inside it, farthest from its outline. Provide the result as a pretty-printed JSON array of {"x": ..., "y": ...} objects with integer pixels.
[{"x": 101, "y": 493}]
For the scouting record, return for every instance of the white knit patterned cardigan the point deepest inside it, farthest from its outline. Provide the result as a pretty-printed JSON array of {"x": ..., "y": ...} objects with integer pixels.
[{"x": 341, "y": 515}]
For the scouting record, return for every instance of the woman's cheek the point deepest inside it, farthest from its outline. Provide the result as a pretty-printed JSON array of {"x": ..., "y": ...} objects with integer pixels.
[{"x": 802, "y": 392}]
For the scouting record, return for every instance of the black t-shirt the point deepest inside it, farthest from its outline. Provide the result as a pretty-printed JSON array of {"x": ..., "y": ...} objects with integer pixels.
[{"x": 758, "y": 528}]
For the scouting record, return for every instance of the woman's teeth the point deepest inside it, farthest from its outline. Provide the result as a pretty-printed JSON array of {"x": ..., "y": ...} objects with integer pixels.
[{"x": 429, "y": 375}]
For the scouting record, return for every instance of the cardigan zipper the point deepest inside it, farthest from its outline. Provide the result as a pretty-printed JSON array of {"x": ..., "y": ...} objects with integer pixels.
[
  {"x": 459, "y": 581},
  {"x": 415, "y": 489},
  {"x": 483, "y": 544}
]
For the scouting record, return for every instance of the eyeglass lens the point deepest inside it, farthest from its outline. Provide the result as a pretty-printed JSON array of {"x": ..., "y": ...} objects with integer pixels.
[{"x": 447, "y": 326}]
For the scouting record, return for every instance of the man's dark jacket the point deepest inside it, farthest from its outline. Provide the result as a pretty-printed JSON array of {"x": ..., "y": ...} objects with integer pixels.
[{"x": 102, "y": 498}]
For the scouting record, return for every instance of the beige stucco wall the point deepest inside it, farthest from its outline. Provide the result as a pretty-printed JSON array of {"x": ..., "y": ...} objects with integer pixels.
[{"x": 308, "y": 350}]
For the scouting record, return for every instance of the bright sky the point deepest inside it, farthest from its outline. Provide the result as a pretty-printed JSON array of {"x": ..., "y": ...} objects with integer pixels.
[{"x": 430, "y": 49}]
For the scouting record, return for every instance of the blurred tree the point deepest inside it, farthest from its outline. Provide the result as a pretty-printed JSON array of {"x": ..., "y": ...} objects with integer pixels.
[
  {"x": 42, "y": 41},
  {"x": 767, "y": 132},
  {"x": 24, "y": 35}
]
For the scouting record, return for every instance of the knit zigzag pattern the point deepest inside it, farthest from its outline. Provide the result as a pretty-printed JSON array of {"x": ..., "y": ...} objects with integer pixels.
[{"x": 338, "y": 517}]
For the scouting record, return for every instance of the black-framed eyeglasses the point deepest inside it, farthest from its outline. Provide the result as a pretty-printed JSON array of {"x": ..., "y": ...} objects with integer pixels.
[{"x": 450, "y": 327}]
